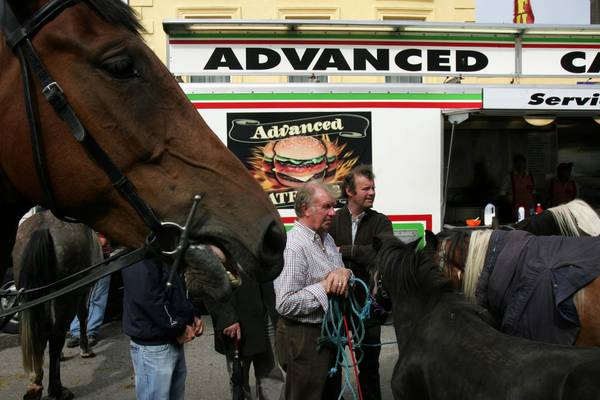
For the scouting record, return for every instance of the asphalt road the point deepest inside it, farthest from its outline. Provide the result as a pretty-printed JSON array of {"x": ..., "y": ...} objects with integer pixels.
[{"x": 109, "y": 375}]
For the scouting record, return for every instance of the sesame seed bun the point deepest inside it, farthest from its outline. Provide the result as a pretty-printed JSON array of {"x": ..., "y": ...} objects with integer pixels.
[{"x": 300, "y": 148}]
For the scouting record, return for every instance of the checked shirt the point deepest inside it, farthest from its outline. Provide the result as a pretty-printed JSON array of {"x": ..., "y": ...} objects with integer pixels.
[{"x": 307, "y": 261}]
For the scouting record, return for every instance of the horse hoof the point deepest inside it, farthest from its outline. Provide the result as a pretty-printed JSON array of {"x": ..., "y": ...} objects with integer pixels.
[
  {"x": 87, "y": 354},
  {"x": 33, "y": 393},
  {"x": 65, "y": 394}
]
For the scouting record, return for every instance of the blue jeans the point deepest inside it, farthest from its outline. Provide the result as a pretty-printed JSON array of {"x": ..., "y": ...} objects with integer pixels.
[
  {"x": 160, "y": 371},
  {"x": 97, "y": 306}
]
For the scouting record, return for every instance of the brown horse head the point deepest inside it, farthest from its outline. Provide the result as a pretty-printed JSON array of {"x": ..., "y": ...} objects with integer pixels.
[{"x": 131, "y": 105}]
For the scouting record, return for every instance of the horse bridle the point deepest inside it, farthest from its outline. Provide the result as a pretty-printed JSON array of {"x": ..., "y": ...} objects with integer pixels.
[
  {"x": 168, "y": 238},
  {"x": 18, "y": 37}
]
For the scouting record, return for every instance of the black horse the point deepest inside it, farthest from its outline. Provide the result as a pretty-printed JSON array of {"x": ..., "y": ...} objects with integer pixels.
[
  {"x": 448, "y": 350},
  {"x": 47, "y": 250}
]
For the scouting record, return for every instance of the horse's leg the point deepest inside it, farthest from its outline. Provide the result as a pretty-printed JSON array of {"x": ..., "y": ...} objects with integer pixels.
[
  {"x": 55, "y": 387},
  {"x": 64, "y": 309},
  {"x": 82, "y": 315},
  {"x": 587, "y": 303}
]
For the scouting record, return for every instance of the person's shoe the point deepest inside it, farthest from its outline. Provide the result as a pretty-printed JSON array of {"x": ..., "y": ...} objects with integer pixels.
[
  {"x": 92, "y": 341},
  {"x": 73, "y": 341}
]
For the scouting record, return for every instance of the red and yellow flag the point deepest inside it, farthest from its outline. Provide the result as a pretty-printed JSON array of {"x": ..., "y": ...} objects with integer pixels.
[{"x": 523, "y": 12}]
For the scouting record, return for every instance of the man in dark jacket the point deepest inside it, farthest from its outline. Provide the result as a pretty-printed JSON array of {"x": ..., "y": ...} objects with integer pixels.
[
  {"x": 249, "y": 318},
  {"x": 158, "y": 321},
  {"x": 354, "y": 227}
]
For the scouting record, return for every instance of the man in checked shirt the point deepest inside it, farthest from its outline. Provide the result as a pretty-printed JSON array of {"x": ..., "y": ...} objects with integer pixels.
[{"x": 312, "y": 271}]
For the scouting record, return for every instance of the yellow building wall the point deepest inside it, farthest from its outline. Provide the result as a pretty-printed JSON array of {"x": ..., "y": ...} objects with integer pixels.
[{"x": 153, "y": 12}]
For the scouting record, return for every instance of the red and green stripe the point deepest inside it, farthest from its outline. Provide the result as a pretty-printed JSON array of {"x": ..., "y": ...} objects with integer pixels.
[
  {"x": 335, "y": 100},
  {"x": 341, "y": 40},
  {"x": 414, "y": 223},
  {"x": 561, "y": 43}
]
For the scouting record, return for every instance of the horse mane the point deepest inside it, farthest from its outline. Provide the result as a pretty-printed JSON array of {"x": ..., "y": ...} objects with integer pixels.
[
  {"x": 574, "y": 216},
  {"x": 456, "y": 238},
  {"x": 475, "y": 257},
  {"x": 412, "y": 272},
  {"x": 115, "y": 12},
  {"x": 478, "y": 246}
]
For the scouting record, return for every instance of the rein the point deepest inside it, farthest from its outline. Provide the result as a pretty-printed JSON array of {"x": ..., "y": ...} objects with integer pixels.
[{"x": 113, "y": 264}]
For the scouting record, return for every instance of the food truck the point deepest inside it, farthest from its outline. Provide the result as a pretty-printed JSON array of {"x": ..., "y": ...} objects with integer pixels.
[{"x": 439, "y": 151}]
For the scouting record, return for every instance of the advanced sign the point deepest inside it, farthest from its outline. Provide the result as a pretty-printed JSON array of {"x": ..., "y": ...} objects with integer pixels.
[
  {"x": 339, "y": 57},
  {"x": 541, "y": 98},
  {"x": 420, "y": 55}
]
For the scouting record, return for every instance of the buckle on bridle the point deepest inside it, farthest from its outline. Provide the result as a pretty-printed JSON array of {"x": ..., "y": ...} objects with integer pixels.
[
  {"x": 174, "y": 238},
  {"x": 183, "y": 233},
  {"x": 442, "y": 256},
  {"x": 52, "y": 90}
]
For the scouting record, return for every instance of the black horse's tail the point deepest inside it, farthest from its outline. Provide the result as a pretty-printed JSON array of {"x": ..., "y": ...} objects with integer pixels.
[{"x": 38, "y": 268}]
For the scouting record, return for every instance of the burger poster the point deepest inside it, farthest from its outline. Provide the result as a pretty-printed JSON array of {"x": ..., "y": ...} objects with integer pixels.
[{"x": 283, "y": 150}]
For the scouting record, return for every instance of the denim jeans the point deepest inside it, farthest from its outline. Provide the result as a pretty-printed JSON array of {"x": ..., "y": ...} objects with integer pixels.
[
  {"x": 97, "y": 306},
  {"x": 160, "y": 371}
]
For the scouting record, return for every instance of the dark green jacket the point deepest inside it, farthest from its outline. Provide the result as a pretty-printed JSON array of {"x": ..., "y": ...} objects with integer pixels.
[{"x": 359, "y": 255}]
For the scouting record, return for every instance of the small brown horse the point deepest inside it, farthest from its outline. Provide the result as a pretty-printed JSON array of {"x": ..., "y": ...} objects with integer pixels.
[
  {"x": 47, "y": 250},
  {"x": 128, "y": 102},
  {"x": 485, "y": 265}
]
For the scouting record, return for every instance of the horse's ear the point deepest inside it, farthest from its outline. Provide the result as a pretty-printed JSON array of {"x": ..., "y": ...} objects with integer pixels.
[
  {"x": 414, "y": 245},
  {"x": 431, "y": 241}
]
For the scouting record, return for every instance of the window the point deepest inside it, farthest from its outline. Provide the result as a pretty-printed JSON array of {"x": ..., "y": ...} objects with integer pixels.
[
  {"x": 308, "y": 78},
  {"x": 403, "y": 79},
  {"x": 210, "y": 79},
  {"x": 403, "y": 14},
  {"x": 308, "y": 13},
  {"x": 208, "y": 13}
]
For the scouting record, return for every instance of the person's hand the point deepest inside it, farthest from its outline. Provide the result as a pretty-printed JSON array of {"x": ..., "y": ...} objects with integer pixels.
[
  {"x": 233, "y": 331},
  {"x": 198, "y": 326},
  {"x": 187, "y": 335},
  {"x": 336, "y": 281}
]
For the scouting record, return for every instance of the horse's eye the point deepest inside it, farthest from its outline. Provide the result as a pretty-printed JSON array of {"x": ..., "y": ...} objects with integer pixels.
[{"x": 121, "y": 68}]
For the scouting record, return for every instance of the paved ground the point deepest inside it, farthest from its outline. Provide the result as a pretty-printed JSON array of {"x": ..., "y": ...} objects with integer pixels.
[{"x": 109, "y": 376}]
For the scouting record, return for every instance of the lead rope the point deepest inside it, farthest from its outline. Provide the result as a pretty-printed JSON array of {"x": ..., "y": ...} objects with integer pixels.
[{"x": 339, "y": 330}]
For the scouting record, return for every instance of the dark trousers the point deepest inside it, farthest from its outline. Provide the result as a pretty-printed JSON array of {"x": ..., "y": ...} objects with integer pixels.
[
  {"x": 368, "y": 375},
  {"x": 306, "y": 368}
]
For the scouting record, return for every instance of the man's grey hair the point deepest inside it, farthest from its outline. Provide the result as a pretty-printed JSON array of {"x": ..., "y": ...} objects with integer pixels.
[{"x": 306, "y": 193}]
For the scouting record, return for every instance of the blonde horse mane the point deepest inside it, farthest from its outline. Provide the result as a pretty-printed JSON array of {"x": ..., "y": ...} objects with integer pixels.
[
  {"x": 576, "y": 216},
  {"x": 478, "y": 245}
]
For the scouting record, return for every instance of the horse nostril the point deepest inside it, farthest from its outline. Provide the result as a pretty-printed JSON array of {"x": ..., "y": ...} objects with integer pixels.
[{"x": 273, "y": 244}]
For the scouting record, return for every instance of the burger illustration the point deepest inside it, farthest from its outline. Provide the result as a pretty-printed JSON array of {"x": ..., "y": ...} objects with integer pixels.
[{"x": 298, "y": 159}]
